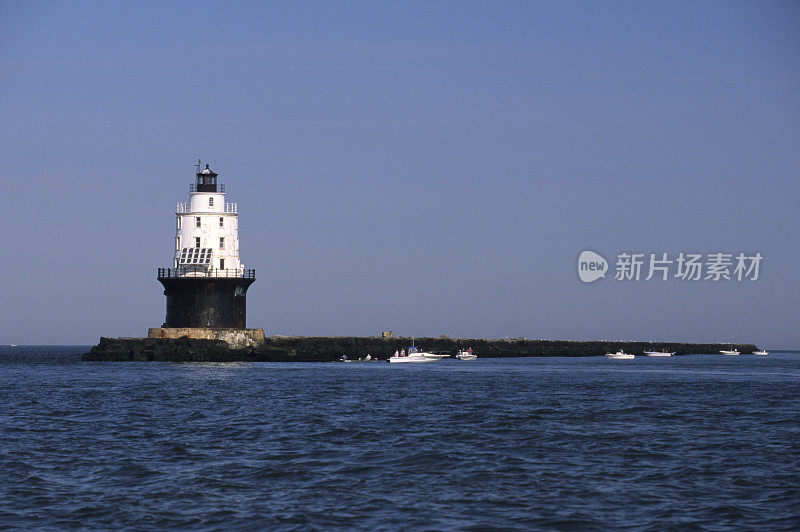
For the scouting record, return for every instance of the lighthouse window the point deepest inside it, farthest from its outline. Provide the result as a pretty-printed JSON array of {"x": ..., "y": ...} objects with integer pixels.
[
  {"x": 197, "y": 241},
  {"x": 197, "y": 221},
  {"x": 221, "y": 242},
  {"x": 221, "y": 264},
  {"x": 210, "y": 202},
  {"x": 221, "y": 221}
]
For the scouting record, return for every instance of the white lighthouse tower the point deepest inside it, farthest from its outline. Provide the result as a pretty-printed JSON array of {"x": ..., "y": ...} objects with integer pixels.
[
  {"x": 207, "y": 284},
  {"x": 207, "y": 229}
]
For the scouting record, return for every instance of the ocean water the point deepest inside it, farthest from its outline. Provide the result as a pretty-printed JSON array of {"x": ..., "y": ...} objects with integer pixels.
[{"x": 694, "y": 442}]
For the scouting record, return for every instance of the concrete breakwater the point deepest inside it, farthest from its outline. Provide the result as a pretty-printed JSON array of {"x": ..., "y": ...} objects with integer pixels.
[{"x": 326, "y": 349}]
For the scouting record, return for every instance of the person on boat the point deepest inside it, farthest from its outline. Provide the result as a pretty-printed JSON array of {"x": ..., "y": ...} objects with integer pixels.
[
  {"x": 402, "y": 352},
  {"x": 396, "y": 353}
]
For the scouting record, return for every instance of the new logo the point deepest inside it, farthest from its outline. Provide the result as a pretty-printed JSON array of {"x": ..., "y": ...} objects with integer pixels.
[{"x": 591, "y": 266}]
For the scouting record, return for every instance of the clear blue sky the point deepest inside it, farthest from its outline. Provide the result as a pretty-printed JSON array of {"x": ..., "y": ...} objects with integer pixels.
[{"x": 429, "y": 168}]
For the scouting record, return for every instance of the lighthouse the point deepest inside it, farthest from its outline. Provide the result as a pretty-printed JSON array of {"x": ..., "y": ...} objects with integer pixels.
[{"x": 206, "y": 285}]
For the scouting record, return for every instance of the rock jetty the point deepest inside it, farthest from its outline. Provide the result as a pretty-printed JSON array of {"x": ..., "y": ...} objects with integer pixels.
[{"x": 327, "y": 349}]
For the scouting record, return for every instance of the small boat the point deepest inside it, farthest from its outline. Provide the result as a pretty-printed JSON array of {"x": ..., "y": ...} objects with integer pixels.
[
  {"x": 620, "y": 355},
  {"x": 761, "y": 353},
  {"x": 466, "y": 355},
  {"x": 659, "y": 353},
  {"x": 367, "y": 358},
  {"x": 733, "y": 352}
]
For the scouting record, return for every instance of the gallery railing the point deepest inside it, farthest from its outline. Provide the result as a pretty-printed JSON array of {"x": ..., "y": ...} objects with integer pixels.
[{"x": 181, "y": 271}]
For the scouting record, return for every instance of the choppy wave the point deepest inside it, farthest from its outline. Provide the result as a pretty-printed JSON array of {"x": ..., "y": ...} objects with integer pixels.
[{"x": 695, "y": 442}]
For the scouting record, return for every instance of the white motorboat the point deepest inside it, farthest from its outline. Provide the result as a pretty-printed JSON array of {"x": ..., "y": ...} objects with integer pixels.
[
  {"x": 733, "y": 352},
  {"x": 620, "y": 355},
  {"x": 411, "y": 358},
  {"x": 761, "y": 353},
  {"x": 466, "y": 355},
  {"x": 414, "y": 355},
  {"x": 658, "y": 353}
]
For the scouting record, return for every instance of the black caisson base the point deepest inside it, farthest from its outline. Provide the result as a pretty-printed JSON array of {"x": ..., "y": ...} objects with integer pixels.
[{"x": 207, "y": 302}]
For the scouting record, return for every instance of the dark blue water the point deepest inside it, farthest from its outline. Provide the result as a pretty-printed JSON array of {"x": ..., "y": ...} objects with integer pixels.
[{"x": 703, "y": 442}]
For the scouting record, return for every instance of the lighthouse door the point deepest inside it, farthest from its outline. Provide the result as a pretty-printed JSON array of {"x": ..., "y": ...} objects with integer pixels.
[{"x": 239, "y": 303}]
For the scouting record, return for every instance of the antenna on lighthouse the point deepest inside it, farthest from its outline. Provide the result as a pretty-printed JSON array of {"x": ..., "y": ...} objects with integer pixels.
[{"x": 197, "y": 166}]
